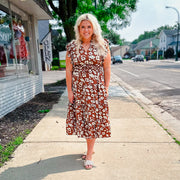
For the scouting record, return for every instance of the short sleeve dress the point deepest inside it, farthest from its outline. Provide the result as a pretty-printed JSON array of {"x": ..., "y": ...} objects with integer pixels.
[{"x": 87, "y": 116}]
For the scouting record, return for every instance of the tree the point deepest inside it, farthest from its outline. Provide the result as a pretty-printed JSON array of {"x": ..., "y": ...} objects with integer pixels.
[
  {"x": 112, "y": 14},
  {"x": 59, "y": 42},
  {"x": 169, "y": 53},
  {"x": 65, "y": 12},
  {"x": 114, "y": 38}
]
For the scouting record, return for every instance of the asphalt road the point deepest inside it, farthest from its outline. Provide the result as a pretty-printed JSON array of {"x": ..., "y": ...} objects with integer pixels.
[{"x": 157, "y": 80}]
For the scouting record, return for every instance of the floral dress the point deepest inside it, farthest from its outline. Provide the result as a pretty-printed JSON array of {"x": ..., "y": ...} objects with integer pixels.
[{"x": 87, "y": 116}]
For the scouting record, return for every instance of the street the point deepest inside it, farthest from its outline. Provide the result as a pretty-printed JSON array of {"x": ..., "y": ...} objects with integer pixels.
[{"x": 157, "y": 80}]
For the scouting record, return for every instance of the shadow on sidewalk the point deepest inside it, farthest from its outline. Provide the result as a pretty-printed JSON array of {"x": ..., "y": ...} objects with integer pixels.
[{"x": 43, "y": 168}]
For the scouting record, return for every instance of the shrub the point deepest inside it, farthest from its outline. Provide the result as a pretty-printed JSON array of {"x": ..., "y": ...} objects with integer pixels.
[
  {"x": 55, "y": 68},
  {"x": 161, "y": 57},
  {"x": 55, "y": 62},
  {"x": 169, "y": 53},
  {"x": 154, "y": 55}
]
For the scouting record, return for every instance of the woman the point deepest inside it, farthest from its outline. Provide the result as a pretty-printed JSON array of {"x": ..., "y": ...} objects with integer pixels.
[{"x": 88, "y": 70}]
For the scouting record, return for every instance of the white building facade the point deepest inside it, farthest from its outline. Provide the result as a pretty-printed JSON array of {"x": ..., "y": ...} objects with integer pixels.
[
  {"x": 20, "y": 62},
  {"x": 168, "y": 39}
]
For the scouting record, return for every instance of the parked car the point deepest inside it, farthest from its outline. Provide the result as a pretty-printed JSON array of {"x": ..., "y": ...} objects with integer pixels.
[
  {"x": 138, "y": 58},
  {"x": 116, "y": 59}
]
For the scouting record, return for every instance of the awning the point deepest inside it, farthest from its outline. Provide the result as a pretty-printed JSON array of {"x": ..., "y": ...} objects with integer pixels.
[
  {"x": 174, "y": 43},
  {"x": 37, "y": 8}
]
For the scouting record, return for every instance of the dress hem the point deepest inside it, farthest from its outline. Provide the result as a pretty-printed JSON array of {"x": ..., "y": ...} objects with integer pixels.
[{"x": 88, "y": 137}]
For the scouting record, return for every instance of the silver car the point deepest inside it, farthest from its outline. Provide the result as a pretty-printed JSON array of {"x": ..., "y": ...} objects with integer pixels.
[{"x": 138, "y": 58}]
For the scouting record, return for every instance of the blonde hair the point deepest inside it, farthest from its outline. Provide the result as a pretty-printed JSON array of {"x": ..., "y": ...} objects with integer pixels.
[{"x": 97, "y": 38}]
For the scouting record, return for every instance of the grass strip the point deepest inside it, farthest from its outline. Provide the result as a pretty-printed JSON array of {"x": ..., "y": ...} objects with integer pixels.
[
  {"x": 7, "y": 150},
  {"x": 44, "y": 111},
  {"x": 176, "y": 141}
]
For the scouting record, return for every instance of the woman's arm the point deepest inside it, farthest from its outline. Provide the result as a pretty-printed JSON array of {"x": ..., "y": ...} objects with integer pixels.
[
  {"x": 69, "y": 78},
  {"x": 107, "y": 70}
]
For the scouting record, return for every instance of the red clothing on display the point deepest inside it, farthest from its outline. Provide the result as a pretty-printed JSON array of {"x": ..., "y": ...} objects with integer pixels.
[{"x": 21, "y": 50}]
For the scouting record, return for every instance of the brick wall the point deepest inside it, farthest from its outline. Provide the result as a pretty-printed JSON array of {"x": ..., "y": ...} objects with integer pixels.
[{"x": 14, "y": 93}]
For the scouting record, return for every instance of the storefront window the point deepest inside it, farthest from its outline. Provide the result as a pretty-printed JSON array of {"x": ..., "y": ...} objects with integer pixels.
[{"x": 13, "y": 47}]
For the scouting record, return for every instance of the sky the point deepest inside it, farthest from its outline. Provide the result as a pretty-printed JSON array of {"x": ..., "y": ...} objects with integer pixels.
[{"x": 150, "y": 15}]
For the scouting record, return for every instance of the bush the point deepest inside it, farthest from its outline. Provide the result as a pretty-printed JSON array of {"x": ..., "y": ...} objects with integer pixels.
[
  {"x": 63, "y": 63},
  {"x": 55, "y": 62},
  {"x": 161, "y": 57},
  {"x": 55, "y": 68},
  {"x": 169, "y": 53},
  {"x": 154, "y": 55}
]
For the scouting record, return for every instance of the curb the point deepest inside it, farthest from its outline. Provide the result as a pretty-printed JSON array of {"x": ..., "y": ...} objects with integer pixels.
[{"x": 159, "y": 114}]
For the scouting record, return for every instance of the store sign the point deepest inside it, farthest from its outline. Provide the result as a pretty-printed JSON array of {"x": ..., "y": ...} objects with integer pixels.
[
  {"x": 5, "y": 33},
  {"x": 47, "y": 49}
]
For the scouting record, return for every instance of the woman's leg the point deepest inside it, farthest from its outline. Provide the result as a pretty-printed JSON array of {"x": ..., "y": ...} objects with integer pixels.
[{"x": 90, "y": 148}]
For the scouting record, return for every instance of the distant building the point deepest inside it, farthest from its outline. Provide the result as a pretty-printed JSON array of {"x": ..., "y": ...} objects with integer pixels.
[
  {"x": 168, "y": 39},
  {"x": 119, "y": 50},
  {"x": 45, "y": 44},
  {"x": 145, "y": 47}
]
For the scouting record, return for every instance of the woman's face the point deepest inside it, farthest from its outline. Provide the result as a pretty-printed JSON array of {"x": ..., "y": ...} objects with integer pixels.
[{"x": 86, "y": 30}]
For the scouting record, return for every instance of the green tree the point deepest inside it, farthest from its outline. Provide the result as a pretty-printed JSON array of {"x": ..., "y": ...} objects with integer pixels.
[
  {"x": 112, "y": 14},
  {"x": 59, "y": 42},
  {"x": 65, "y": 12},
  {"x": 114, "y": 38}
]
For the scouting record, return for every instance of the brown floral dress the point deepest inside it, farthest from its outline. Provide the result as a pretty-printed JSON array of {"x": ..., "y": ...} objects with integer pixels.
[{"x": 87, "y": 116}]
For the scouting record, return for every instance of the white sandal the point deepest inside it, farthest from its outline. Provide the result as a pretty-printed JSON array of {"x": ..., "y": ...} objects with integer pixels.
[
  {"x": 88, "y": 163},
  {"x": 83, "y": 157}
]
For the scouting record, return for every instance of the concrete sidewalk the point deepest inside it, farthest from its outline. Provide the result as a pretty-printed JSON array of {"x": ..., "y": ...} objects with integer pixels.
[
  {"x": 53, "y": 76},
  {"x": 139, "y": 148}
]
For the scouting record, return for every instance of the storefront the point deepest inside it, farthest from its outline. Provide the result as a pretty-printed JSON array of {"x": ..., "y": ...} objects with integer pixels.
[{"x": 20, "y": 62}]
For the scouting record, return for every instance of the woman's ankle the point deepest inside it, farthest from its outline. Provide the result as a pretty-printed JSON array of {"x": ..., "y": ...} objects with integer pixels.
[{"x": 89, "y": 157}]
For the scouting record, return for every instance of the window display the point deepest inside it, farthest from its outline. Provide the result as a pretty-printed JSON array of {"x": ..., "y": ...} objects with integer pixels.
[{"x": 13, "y": 47}]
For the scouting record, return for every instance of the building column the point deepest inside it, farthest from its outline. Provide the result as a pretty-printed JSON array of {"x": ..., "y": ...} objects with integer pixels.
[{"x": 35, "y": 50}]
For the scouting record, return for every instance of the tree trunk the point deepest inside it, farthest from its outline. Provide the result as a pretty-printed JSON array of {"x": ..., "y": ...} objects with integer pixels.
[
  {"x": 69, "y": 31},
  {"x": 66, "y": 9}
]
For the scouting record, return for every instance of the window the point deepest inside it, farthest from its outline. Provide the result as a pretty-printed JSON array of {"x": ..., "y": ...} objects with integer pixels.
[{"x": 13, "y": 47}]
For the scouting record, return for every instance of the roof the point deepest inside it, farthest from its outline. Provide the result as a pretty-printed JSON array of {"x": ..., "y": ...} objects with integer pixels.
[
  {"x": 115, "y": 48},
  {"x": 145, "y": 44},
  {"x": 174, "y": 43},
  {"x": 169, "y": 32},
  {"x": 141, "y": 44},
  {"x": 43, "y": 28},
  {"x": 43, "y": 5},
  {"x": 155, "y": 44},
  {"x": 37, "y": 8}
]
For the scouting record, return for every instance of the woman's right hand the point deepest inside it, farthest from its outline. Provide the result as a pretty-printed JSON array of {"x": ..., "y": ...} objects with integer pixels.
[{"x": 70, "y": 96}]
